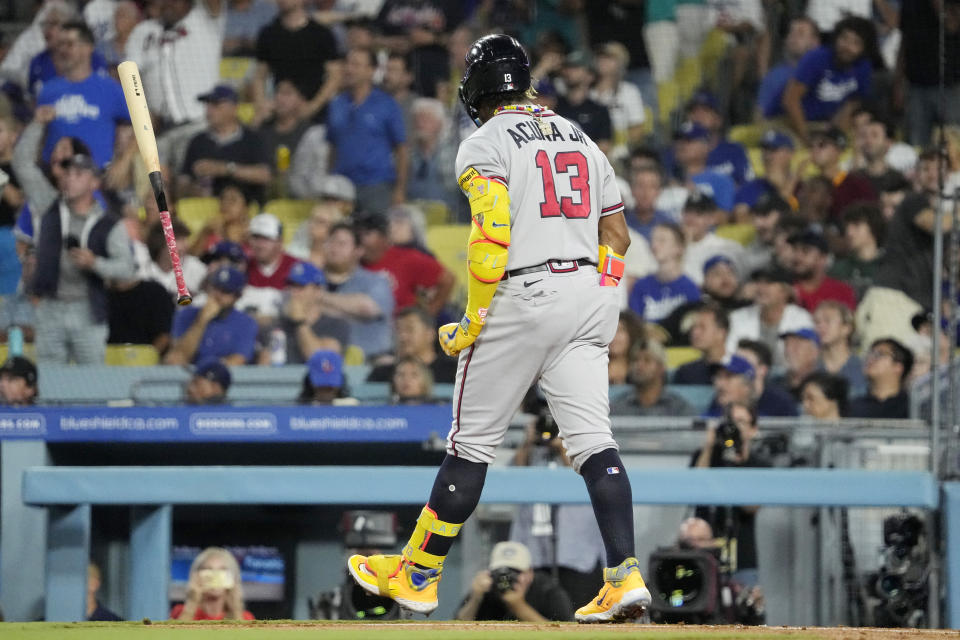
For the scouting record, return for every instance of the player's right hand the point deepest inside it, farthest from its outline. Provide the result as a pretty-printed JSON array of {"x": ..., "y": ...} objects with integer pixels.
[{"x": 457, "y": 336}]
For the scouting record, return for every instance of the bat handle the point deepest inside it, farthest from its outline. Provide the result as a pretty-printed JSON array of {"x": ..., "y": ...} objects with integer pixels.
[{"x": 183, "y": 295}]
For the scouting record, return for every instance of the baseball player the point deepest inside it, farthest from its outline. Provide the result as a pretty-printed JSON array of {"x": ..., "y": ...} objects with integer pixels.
[{"x": 547, "y": 217}]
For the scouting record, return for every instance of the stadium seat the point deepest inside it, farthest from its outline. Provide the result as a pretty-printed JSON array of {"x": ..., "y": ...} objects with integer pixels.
[
  {"x": 370, "y": 392},
  {"x": 245, "y": 112},
  {"x": 749, "y": 135},
  {"x": 196, "y": 211},
  {"x": 689, "y": 76},
  {"x": 28, "y": 351},
  {"x": 436, "y": 212},
  {"x": 292, "y": 213},
  {"x": 354, "y": 356},
  {"x": 449, "y": 244},
  {"x": 742, "y": 233},
  {"x": 131, "y": 355},
  {"x": 236, "y": 71},
  {"x": 668, "y": 97},
  {"x": 712, "y": 52},
  {"x": 677, "y": 356},
  {"x": 755, "y": 155},
  {"x": 698, "y": 395}
]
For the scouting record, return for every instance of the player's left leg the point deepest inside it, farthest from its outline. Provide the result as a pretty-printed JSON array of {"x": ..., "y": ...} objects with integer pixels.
[{"x": 575, "y": 383}]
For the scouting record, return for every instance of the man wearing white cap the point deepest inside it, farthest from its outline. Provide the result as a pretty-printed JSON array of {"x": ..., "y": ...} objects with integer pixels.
[
  {"x": 510, "y": 590},
  {"x": 268, "y": 268}
]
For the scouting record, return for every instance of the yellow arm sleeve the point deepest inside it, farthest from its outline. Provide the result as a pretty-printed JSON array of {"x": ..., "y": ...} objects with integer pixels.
[{"x": 488, "y": 244}]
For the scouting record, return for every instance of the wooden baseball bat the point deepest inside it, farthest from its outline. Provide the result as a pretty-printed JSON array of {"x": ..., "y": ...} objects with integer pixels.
[{"x": 147, "y": 142}]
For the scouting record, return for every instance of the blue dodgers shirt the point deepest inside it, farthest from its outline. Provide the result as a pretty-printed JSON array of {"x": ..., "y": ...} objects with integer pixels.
[
  {"x": 653, "y": 300},
  {"x": 90, "y": 110},
  {"x": 364, "y": 136},
  {"x": 227, "y": 334},
  {"x": 646, "y": 228},
  {"x": 829, "y": 86},
  {"x": 727, "y": 158},
  {"x": 770, "y": 93}
]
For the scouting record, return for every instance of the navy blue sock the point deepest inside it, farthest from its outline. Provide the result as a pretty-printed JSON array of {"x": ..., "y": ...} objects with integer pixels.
[
  {"x": 612, "y": 500},
  {"x": 455, "y": 495}
]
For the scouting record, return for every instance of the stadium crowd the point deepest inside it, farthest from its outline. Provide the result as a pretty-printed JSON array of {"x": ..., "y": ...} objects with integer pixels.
[{"x": 781, "y": 163}]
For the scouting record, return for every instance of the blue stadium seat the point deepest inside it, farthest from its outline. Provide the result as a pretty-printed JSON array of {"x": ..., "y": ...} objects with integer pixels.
[{"x": 698, "y": 395}]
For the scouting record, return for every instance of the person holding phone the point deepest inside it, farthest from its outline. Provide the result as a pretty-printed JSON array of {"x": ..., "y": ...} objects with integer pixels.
[{"x": 214, "y": 590}]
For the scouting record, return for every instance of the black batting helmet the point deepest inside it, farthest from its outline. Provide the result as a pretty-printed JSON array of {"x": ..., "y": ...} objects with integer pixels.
[{"x": 495, "y": 64}]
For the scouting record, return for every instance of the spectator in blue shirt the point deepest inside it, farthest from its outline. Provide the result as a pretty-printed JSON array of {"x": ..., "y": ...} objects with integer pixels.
[
  {"x": 645, "y": 186},
  {"x": 365, "y": 128},
  {"x": 363, "y": 298},
  {"x": 217, "y": 330},
  {"x": 831, "y": 80},
  {"x": 778, "y": 179},
  {"x": 655, "y": 296},
  {"x": 802, "y": 37},
  {"x": 725, "y": 157},
  {"x": 692, "y": 147},
  {"x": 88, "y": 105}
]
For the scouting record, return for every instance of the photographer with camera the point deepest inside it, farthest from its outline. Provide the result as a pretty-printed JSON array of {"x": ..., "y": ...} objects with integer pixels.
[
  {"x": 510, "y": 590},
  {"x": 728, "y": 444}
]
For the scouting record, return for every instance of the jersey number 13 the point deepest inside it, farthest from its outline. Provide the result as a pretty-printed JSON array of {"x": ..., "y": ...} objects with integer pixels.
[{"x": 574, "y": 164}]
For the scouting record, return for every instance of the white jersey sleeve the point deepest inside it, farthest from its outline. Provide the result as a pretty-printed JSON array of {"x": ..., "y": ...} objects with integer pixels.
[{"x": 480, "y": 153}]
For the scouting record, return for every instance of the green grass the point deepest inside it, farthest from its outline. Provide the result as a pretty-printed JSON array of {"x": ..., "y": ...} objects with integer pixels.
[{"x": 295, "y": 630}]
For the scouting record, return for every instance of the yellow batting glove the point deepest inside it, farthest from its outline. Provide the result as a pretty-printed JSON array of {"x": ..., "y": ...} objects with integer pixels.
[{"x": 457, "y": 336}]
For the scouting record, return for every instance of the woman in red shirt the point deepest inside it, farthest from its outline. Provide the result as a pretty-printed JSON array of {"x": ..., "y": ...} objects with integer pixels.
[{"x": 214, "y": 590}]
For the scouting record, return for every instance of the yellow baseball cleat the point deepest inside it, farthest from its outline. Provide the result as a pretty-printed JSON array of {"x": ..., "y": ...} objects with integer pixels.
[
  {"x": 624, "y": 595},
  {"x": 391, "y": 577}
]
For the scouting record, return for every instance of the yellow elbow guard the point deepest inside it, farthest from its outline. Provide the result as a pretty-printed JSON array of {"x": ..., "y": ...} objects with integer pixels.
[{"x": 487, "y": 248}]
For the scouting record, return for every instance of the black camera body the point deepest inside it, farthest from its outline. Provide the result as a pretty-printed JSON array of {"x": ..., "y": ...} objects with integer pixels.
[
  {"x": 546, "y": 427},
  {"x": 684, "y": 585},
  {"x": 504, "y": 578},
  {"x": 901, "y": 585},
  {"x": 72, "y": 242}
]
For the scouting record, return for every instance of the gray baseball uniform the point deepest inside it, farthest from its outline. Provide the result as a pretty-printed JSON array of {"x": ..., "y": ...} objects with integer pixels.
[{"x": 551, "y": 325}]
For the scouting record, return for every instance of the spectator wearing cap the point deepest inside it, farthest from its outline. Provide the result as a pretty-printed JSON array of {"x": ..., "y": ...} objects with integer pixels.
[
  {"x": 779, "y": 179},
  {"x": 226, "y": 254},
  {"x": 217, "y": 330},
  {"x": 268, "y": 268},
  {"x": 363, "y": 298},
  {"x": 708, "y": 333},
  {"x": 160, "y": 269},
  {"x": 725, "y": 157},
  {"x": 872, "y": 143},
  {"x": 648, "y": 376},
  {"x": 373, "y": 156},
  {"x": 732, "y": 384},
  {"x": 772, "y": 399},
  {"x": 654, "y": 297},
  {"x": 323, "y": 383},
  {"x": 834, "y": 323},
  {"x": 765, "y": 215},
  {"x": 692, "y": 149},
  {"x": 848, "y": 188},
  {"x": 311, "y": 237},
  {"x": 209, "y": 383},
  {"x": 831, "y": 80},
  {"x": 528, "y": 596},
  {"x": 416, "y": 337},
  {"x": 178, "y": 53},
  {"x": 887, "y": 367},
  {"x": 576, "y": 104},
  {"x": 721, "y": 285},
  {"x": 645, "y": 186},
  {"x": 801, "y": 352},
  {"x": 18, "y": 382},
  {"x": 700, "y": 216},
  {"x": 803, "y": 36},
  {"x": 79, "y": 248},
  {"x": 622, "y": 98},
  {"x": 417, "y": 278},
  {"x": 305, "y": 326},
  {"x": 771, "y": 315},
  {"x": 88, "y": 105},
  {"x": 864, "y": 230},
  {"x": 432, "y": 152},
  {"x": 812, "y": 284},
  {"x": 225, "y": 152},
  {"x": 297, "y": 49}
]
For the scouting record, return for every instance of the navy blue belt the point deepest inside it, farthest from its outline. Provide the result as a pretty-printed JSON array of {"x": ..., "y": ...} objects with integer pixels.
[{"x": 553, "y": 266}]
